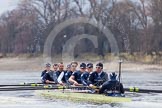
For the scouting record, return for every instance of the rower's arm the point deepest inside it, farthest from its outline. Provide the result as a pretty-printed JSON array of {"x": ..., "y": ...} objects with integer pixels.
[
  {"x": 49, "y": 82},
  {"x": 71, "y": 79},
  {"x": 45, "y": 79},
  {"x": 59, "y": 79}
]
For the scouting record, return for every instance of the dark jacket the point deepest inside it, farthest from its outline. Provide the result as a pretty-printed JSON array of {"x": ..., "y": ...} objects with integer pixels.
[
  {"x": 67, "y": 76},
  {"x": 97, "y": 80},
  {"x": 112, "y": 87},
  {"x": 84, "y": 78},
  {"x": 43, "y": 72},
  {"x": 77, "y": 75},
  {"x": 47, "y": 76}
]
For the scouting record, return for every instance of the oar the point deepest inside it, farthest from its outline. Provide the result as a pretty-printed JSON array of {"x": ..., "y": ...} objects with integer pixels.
[
  {"x": 136, "y": 89},
  {"x": 7, "y": 85},
  {"x": 41, "y": 87},
  {"x": 27, "y": 84},
  {"x": 32, "y": 88},
  {"x": 131, "y": 89}
]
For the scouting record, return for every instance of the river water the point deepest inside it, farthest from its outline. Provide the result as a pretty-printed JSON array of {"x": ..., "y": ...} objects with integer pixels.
[{"x": 26, "y": 99}]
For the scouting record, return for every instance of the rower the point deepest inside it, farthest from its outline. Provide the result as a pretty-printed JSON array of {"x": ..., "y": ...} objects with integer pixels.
[
  {"x": 112, "y": 87},
  {"x": 55, "y": 67},
  {"x": 98, "y": 77},
  {"x": 68, "y": 68},
  {"x": 75, "y": 78},
  {"x": 47, "y": 68},
  {"x": 59, "y": 75},
  {"x": 85, "y": 75},
  {"x": 47, "y": 75},
  {"x": 73, "y": 66},
  {"x": 74, "y": 62}
]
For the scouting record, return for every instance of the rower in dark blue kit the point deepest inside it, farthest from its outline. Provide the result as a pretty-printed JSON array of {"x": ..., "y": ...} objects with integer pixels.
[
  {"x": 47, "y": 75},
  {"x": 75, "y": 78},
  {"x": 47, "y": 68},
  {"x": 85, "y": 75},
  {"x": 68, "y": 68},
  {"x": 73, "y": 67},
  {"x": 98, "y": 77},
  {"x": 112, "y": 87}
]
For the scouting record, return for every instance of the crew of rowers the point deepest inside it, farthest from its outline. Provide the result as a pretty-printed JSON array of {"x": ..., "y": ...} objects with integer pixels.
[{"x": 85, "y": 76}]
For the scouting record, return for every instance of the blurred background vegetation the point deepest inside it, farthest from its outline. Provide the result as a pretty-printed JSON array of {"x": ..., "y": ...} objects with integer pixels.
[{"x": 135, "y": 24}]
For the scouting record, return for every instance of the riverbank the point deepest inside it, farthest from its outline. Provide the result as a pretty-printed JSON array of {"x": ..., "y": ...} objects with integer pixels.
[{"x": 37, "y": 64}]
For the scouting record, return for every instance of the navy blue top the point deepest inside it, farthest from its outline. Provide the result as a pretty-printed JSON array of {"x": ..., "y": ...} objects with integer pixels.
[
  {"x": 56, "y": 75},
  {"x": 43, "y": 72},
  {"x": 67, "y": 76},
  {"x": 96, "y": 79},
  {"x": 112, "y": 86},
  {"x": 47, "y": 76},
  {"x": 77, "y": 75},
  {"x": 84, "y": 78}
]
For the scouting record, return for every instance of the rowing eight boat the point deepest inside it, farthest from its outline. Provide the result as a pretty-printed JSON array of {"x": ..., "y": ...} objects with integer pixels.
[{"x": 82, "y": 97}]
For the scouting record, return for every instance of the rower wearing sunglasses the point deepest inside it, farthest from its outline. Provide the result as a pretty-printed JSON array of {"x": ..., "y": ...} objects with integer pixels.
[{"x": 98, "y": 77}]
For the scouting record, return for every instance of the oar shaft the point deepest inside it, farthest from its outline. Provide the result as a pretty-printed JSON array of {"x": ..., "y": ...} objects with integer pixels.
[
  {"x": 11, "y": 85},
  {"x": 29, "y": 84},
  {"x": 31, "y": 88},
  {"x": 135, "y": 89},
  {"x": 42, "y": 87},
  {"x": 19, "y": 89}
]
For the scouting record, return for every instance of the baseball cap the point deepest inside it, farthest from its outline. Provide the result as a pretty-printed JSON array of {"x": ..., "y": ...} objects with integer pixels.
[
  {"x": 99, "y": 64},
  {"x": 48, "y": 65},
  {"x": 69, "y": 66},
  {"x": 82, "y": 65},
  {"x": 90, "y": 65}
]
